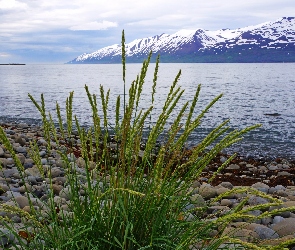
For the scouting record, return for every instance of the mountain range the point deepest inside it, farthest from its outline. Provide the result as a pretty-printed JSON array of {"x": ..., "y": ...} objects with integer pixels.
[{"x": 267, "y": 42}]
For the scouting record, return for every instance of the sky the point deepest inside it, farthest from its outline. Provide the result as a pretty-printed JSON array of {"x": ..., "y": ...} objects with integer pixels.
[{"x": 57, "y": 31}]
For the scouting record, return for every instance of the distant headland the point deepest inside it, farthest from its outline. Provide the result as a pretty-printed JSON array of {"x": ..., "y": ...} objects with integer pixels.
[{"x": 12, "y": 64}]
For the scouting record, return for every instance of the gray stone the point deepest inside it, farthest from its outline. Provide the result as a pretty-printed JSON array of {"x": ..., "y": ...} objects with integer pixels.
[
  {"x": 188, "y": 207},
  {"x": 256, "y": 200},
  {"x": 189, "y": 217},
  {"x": 283, "y": 173},
  {"x": 198, "y": 200},
  {"x": 241, "y": 233},
  {"x": 65, "y": 193},
  {"x": 226, "y": 185},
  {"x": 9, "y": 172},
  {"x": 60, "y": 163},
  {"x": 285, "y": 227},
  {"x": 56, "y": 189},
  {"x": 249, "y": 166},
  {"x": 55, "y": 172},
  {"x": 221, "y": 190},
  {"x": 266, "y": 221},
  {"x": 71, "y": 157},
  {"x": 11, "y": 194},
  {"x": 262, "y": 169},
  {"x": 223, "y": 159},
  {"x": 59, "y": 201},
  {"x": 42, "y": 142},
  {"x": 226, "y": 202},
  {"x": 21, "y": 150},
  {"x": 220, "y": 210},
  {"x": 44, "y": 161},
  {"x": 233, "y": 166},
  {"x": 20, "y": 140},
  {"x": 42, "y": 153},
  {"x": 33, "y": 171},
  {"x": 6, "y": 237},
  {"x": 3, "y": 188},
  {"x": 207, "y": 191},
  {"x": 1, "y": 152},
  {"x": 32, "y": 180},
  {"x": 281, "y": 193},
  {"x": 22, "y": 158},
  {"x": 272, "y": 168},
  {"x": 22, "y": 201},
  {"x": 255, "y": 213},
  {"x": 59, "y": 180},
  {"x": 277, "y": 219},
  {"x": 23, "y": 125},
  {"x": 196, "y": 184},
  {"x": 266, "y": 232},
  {"x": 3, "y": 162},
  {"x": 16, "y": 219},
  {"x": 9, "y": 132},
  {"x": 261, "y": 187}
]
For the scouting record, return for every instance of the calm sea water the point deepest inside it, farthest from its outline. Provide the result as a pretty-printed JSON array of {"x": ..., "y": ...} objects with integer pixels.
[{"x": 250, "y": 91}]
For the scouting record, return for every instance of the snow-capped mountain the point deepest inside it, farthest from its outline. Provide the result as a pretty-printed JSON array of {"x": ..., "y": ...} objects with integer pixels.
[{"x": 266, "y": 42}]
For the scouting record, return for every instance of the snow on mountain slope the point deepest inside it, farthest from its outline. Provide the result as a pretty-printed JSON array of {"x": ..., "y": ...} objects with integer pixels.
[{"x": 185, "y": 42}]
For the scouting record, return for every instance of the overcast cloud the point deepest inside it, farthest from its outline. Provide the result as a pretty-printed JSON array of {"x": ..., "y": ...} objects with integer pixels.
[{"x": 55, "y": 31}]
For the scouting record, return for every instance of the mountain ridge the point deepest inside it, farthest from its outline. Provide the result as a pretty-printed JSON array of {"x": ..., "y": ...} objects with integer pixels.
[{"x": 266, "y": 42}]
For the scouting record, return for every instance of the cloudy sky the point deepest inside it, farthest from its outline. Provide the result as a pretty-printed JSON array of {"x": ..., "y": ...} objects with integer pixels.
[{"x": 57, "y": 31}]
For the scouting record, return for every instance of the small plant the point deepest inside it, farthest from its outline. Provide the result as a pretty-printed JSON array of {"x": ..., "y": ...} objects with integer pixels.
[{"x": 127, "y": 195}]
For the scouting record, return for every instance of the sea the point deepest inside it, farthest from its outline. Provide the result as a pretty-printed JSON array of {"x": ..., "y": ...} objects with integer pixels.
[{"x": 254, "y": 93}]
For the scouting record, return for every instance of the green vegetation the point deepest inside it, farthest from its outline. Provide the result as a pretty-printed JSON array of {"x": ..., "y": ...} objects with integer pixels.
[{"x": 131, "y": 198}]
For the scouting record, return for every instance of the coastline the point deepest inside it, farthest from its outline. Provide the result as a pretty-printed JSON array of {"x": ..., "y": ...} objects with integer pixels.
[
  {"x": 274, "y": 178},
  {"x": 271, "y": 170}
]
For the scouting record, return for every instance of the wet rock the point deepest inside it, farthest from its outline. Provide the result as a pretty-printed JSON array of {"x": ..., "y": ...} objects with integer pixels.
[
  {"x": 226, "y": 202},
  {"x": 21, "y": 150},
  {"x": 3, "y": 188},
  {"x": 55, "y": 172},
  {"x": 22, "y": 201},
  {"x": 227, "y": 185},
  {"x": 56, "y": 188},
  {"x": 261, "y": 187},
  {"x": 277, "y": 219},
  {"x": 3, "y": 162},
  {"x": 198, "y": 200},
  {"x": 256, "y": 200},
  {"x": 283, "y": 173},
  {"x": 265, "y": 232},
  {"x": 20, "y": 140},
  {"x": 1, "y": 152},
  {"x": 285, "y": 227},
  {"x": 241, "y": 233},
  {"x": 233, "y": 167},
  {"x": 65, "y": 193},
  {"x": 207, "y": 191},
  {"x": 272, "y": 167},
  {"x": 6, "y": 237}
]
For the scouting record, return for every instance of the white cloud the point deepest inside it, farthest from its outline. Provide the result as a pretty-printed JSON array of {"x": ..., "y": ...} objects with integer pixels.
[
  {"x": 29, "y": 24},
  {"x": 3, "y": 54},
  {"x": 95, "y": 26},
  {"x": 11, "y": 4}
]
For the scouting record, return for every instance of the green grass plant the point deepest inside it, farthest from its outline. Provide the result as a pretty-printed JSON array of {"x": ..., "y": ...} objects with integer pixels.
[{"x": 129, "y": 196}]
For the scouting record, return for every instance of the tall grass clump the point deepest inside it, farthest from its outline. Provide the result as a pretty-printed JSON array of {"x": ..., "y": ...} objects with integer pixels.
[{"x": 131, "y": 193}]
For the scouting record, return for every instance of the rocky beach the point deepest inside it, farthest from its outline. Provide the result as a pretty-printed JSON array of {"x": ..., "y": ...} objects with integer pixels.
[{"x": 272, "y": 177}]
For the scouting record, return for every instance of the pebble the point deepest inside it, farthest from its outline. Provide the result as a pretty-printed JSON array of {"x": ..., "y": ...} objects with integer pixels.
[
  {"x": 233, "y": 166},
  {"x": 12, "y": 188}
]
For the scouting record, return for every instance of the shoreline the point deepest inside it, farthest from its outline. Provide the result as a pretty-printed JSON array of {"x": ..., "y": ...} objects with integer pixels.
[
  {"x": 228, "y": 152},
  {"x": 275, "y": 178},
  {"x": 270, "y": 170}
]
